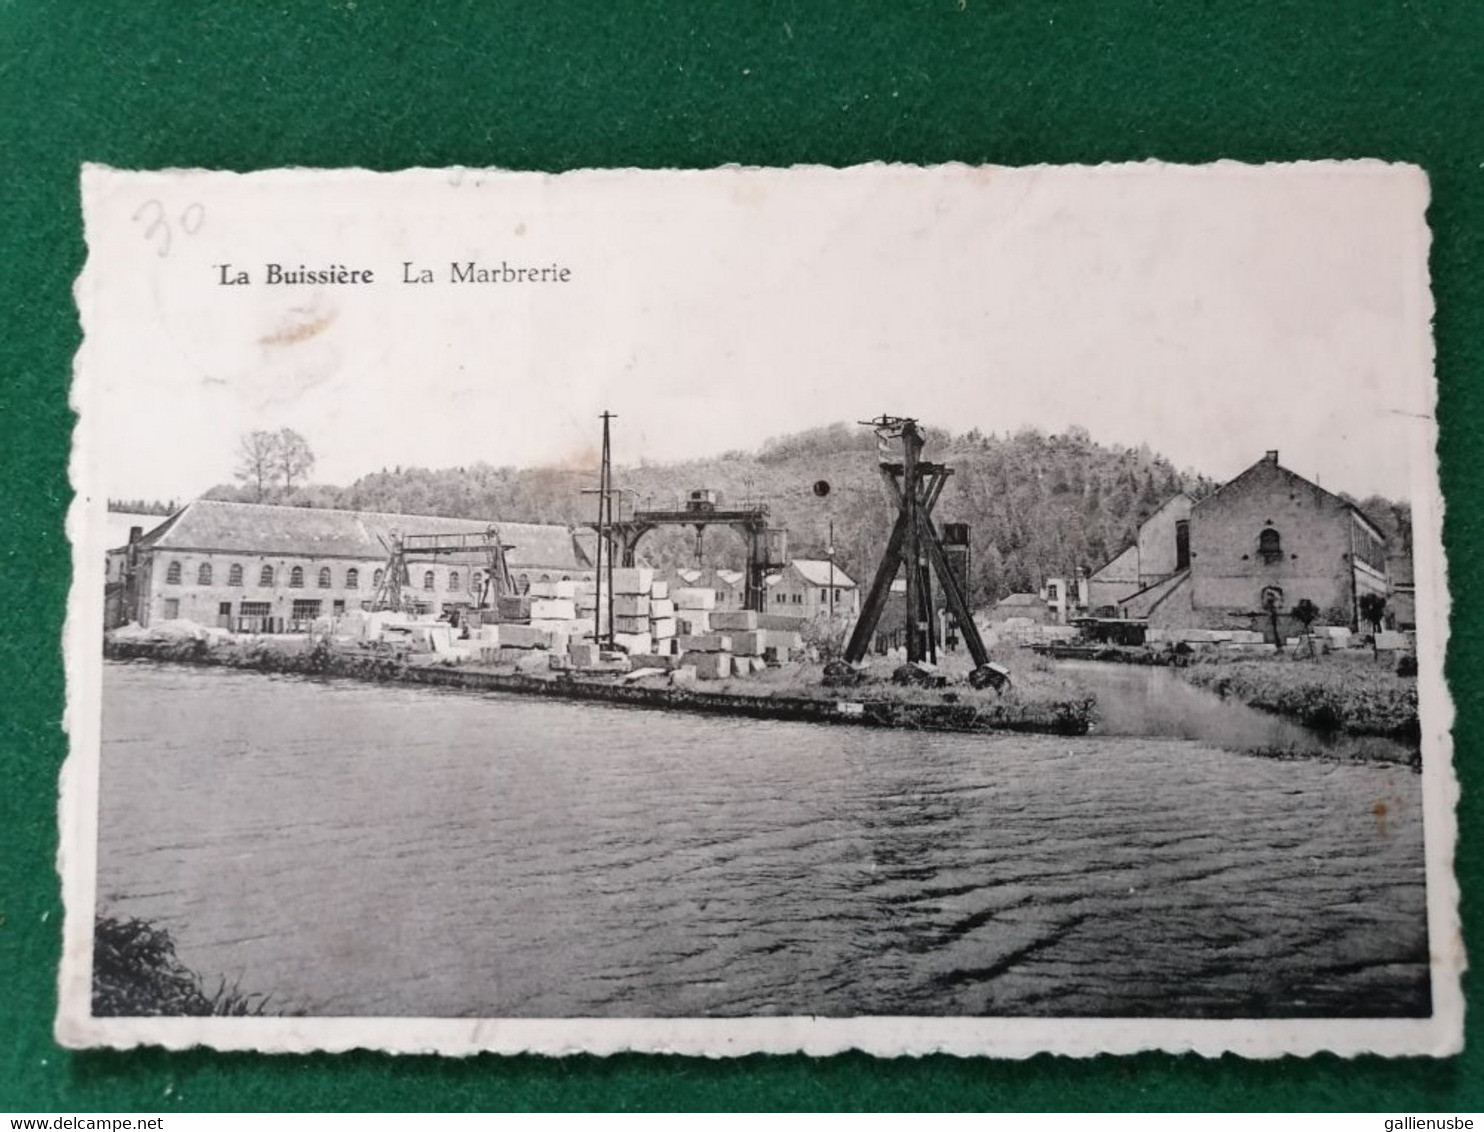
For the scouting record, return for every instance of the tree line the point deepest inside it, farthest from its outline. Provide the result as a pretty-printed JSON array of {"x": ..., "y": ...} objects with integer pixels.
[{"x": 1037, "y": 505}]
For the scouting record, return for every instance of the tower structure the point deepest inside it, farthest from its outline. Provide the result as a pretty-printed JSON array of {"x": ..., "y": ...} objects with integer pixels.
[{"x": 915, "y": 550}]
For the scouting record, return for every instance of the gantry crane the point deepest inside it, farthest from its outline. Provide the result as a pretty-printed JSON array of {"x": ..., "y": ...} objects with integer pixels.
[{"x": 483, "y": 547}]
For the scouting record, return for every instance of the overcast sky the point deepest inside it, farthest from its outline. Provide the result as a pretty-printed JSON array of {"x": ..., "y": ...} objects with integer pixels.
[{"x": 1212, "y": 313}]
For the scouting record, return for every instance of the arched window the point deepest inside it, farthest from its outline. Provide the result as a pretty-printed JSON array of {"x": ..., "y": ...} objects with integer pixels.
[
  {"x": 427, "y": 579},
  {"x": 376, "y": 577},
  {"x": 1269, "y": 546},
  {"x": 546, "y": 577},
  {"x": 453, "y": 580},
  {"x": 265, "y": 576},
  {"x": 234, "y": 575},
  {"x": 324, "y": 578},
  {"x": 296, "y": 578},
  {"x": 203, "y": 574},
  {"x": 352, "y": 579},
  {"x": 476, "y": 583},
  {"x": 523, "y": 584},
  {"x": 172, "y": 574}
]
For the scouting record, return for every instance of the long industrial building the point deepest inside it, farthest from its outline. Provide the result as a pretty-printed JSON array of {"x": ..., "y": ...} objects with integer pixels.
[{"x": 265, "y": 567}]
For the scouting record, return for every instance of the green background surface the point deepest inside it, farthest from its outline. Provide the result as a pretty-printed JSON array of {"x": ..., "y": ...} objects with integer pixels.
[{"x": 152, "y": 84}]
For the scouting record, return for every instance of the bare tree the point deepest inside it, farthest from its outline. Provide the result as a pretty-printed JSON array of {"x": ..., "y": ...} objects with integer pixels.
[
  {"x": 295, "y": 460},
  {"x": 257, "y": 461}
]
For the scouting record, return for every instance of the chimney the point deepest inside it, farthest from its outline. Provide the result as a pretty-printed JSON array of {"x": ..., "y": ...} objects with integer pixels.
[
  {"x": 136, "y": 533},
  {"x": 1270, "y": 456}
]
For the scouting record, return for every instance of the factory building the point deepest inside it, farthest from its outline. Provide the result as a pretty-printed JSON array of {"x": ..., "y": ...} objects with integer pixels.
[
  {"x": 261, "y": 567},
  {"x": 1267, "y": 539}
]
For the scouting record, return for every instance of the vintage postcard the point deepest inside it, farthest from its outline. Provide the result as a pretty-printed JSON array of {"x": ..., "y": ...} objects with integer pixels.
[{"x": 956, "y": 609}]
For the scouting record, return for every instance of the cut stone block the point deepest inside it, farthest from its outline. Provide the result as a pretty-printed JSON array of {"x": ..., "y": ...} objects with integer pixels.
[
  {"x": 694, "y": 597},
  {"x": 634, "y": 643},
  {"x": 749, "y": 644},
  {"x": 660, "y": 627},
  {"x": 630, "y": 605},
  {"x": 553, "y": 609},
  {"x": 583, "y": 654},
  {"x": 514, "y": 636},
  {"x": 652, "y": 660},
  {"x": 782, "y": 639},
  {"x": 692, "y": 622},
  {"x": 778, "y": 621},
  {"x": 514, "y": 607},
  {"x": 630, "y": 624},
  {"x": 705, "y": 643},
  {"x": 708, "y": 665},
  {"x": 659, "y": 590},
  {"x": 633, "y": 580},
  {"x": 661, "y": 607},
  {"x": 738, "y": 619}
]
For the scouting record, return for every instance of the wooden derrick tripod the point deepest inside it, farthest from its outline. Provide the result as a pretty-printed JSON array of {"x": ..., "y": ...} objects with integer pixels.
[
  {"x": 914, "y": 485},
  {"x": 484, "y": 548}
]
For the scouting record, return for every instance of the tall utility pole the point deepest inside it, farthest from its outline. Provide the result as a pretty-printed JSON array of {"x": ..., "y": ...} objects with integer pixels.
[
  {"x": 605, "y": 536},
  {"x": 605, "y": 533},
  {"x": 831, "y": 550}
]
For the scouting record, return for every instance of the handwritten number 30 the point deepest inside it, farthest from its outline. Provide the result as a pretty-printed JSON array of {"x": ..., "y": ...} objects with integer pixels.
[{"x": 158, "y": 228}]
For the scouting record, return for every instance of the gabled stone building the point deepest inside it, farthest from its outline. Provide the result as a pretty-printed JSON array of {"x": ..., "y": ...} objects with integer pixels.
[
  {"x": 1160, "y": 550},
  {"x": 264, "y": 567},
  {"x": 1269, "y": 537}
]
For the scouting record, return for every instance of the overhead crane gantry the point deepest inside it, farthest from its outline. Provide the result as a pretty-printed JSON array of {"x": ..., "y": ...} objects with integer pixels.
[{"x": 482, "y": 548}]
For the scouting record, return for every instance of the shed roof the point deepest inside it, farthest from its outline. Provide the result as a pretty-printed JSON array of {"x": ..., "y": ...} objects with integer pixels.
[
  {"x": 315, "y": 532},
  {"x": 816, "y": 571}
]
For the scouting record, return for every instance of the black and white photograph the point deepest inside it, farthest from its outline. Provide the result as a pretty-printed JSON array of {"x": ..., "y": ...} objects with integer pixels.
[{"x": 909, "y": 609}]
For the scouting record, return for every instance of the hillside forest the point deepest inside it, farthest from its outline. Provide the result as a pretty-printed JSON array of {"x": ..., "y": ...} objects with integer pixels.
[{"x": 1037, "y": 505}]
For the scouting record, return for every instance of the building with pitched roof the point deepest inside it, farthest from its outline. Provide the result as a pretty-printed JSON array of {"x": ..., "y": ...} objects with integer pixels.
[
  {"x": 803, "y": 589},
  {"x": 1267, "y": 539},
  {"x": 263, "y": 566},
  {"x": 1160, "y": 550}
]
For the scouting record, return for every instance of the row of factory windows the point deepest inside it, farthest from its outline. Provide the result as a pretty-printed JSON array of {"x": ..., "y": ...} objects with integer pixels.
[
  {"x": 174, "y": 576},
  {"x": 798, "y": 598},
  {"x": 175, "y": 572}
]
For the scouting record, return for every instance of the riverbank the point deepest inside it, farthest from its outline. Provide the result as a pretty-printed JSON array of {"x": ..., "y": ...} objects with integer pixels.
[
  {"x": 1040, "y": 702},
  {"x": 136, "y": 974},
  {"x": 1337, "y": 692}
]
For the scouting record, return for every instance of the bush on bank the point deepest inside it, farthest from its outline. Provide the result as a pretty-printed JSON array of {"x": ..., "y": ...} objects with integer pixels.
[
  {"x": 1334, "y": 693},
  {"x": 136, "y": 974}
]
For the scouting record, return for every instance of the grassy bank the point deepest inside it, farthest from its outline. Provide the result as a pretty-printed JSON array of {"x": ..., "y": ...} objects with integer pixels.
[
  {"x": 136, "y": 974},
  {"x": 1040, "y": 697},
  {"x": 1335, "y": 692},
  {"x": 1041, "y": 701}
]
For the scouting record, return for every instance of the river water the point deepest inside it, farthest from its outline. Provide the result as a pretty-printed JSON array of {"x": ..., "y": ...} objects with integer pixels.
[{"x": 353, "y": 849}]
